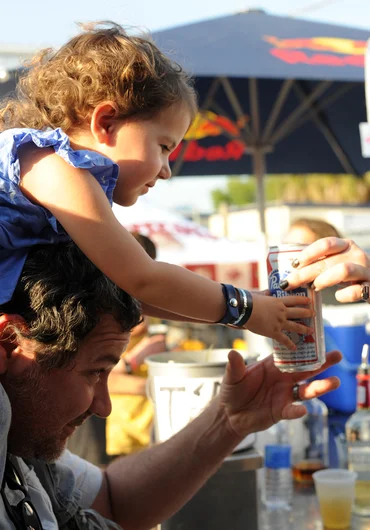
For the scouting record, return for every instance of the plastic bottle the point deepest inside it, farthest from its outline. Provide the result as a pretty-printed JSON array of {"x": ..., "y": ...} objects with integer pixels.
[
  {"x": 278, "y": 482},
  {"x": 278, "y": 485}
]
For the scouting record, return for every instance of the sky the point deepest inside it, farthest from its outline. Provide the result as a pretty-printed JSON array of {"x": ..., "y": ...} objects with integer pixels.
[
  {"x": 37, "y": 23},
  {"x": 34, "y": 24}
]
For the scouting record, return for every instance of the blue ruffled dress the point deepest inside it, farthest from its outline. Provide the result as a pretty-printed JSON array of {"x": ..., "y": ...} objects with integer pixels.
[{"x": 23, "y": 223}]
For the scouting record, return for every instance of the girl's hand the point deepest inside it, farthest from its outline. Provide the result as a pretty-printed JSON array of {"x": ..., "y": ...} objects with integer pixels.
[
  {"x": 271, "y": 316},
  {"x": 332, "y": 261}
]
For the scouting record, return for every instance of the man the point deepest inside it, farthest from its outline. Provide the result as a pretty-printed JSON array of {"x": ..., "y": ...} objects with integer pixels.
[{"x": 63, "y": 331}]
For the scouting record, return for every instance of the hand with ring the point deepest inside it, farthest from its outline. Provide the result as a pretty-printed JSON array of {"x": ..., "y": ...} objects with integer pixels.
[
  {"x": 255, "y": 397},
  {"x": 333, "y": 261}
]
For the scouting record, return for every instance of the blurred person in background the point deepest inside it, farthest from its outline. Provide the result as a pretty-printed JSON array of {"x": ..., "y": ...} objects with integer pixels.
[
  {"x": 339, "y": 269},
  {"x": 305, "y": 231},
  {"x": 129, "y": 426}
]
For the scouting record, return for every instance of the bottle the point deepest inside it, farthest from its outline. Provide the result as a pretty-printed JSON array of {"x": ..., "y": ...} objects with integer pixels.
[
  {"x": 278, "y": 483},
  {"x": 357, "y": 431},
  {"x": 310, "y": 441}
]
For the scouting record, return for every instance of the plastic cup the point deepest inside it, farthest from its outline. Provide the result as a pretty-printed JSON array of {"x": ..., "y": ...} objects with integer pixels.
[{"x": 335, "y": 489}]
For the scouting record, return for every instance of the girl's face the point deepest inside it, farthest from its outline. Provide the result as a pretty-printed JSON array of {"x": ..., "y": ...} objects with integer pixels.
[{"x": 142, "y": 149}]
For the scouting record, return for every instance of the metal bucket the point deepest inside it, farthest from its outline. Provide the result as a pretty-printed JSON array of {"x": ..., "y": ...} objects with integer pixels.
[{"x": 181, "y": 384}]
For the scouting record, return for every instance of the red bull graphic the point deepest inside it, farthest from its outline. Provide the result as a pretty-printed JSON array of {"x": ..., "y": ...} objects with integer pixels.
[
  {"x": 206, "y": 124},
  {"x": 327, "y": 51}
]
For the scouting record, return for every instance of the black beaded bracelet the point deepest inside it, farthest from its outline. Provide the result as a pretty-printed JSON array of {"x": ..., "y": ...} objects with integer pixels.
[{"x": 232, "y": 304}]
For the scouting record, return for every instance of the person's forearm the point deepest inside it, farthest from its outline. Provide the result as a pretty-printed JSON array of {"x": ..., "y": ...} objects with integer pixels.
[{"x": 149, "y": 487}]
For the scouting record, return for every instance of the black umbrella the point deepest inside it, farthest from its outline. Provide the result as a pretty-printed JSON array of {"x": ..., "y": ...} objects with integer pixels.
[{"x": 275, "y": 92}]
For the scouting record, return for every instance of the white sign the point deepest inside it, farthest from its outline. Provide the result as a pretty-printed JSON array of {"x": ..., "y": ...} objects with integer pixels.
[
  {"x": 179, "y": 400},
  {"x": 365, "y": 139},
  {"x": 365, "y": 127}
]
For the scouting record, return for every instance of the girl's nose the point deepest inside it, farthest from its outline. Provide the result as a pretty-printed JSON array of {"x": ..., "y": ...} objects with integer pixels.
[{"x": 165, "y": 173}]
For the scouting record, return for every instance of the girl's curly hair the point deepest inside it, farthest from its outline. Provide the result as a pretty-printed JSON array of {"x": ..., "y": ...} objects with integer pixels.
[{"x": 103, "y": 63}]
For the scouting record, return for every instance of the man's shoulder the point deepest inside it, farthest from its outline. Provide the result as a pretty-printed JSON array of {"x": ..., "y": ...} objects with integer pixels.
[
  {"x": 63, "y": 491},
  {"x": 75, "y": 479},
  {"x": 5, "y": 418}
]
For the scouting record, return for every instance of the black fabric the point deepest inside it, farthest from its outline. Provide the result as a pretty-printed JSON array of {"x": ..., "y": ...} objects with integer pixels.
[{"x": 23, "y": 514}]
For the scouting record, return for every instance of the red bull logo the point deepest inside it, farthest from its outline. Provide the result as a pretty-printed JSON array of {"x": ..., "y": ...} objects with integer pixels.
[
  {"x": 206, "y": 124},
  {"x": 328, "y": 51}
]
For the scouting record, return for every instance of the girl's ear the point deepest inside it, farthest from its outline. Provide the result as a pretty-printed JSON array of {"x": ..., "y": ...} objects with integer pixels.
[{"x": 102, "y": 120}]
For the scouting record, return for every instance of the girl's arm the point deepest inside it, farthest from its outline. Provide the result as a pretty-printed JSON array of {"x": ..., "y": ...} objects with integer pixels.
[
  {"x": 157, "y": 312},
  {"x": 76, "y": 199}
]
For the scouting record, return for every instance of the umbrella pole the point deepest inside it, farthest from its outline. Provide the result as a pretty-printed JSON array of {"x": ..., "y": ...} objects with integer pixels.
[
  {"x": 259, "y": 172},
  {"x": 258, "y": 156}
]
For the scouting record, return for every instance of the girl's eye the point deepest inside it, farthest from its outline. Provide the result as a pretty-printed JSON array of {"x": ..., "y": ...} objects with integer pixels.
[{"x": 165, "y": 148}]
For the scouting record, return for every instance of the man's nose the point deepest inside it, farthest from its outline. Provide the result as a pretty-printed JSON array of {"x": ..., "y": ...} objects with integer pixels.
[{"x": 101, "y": 405}]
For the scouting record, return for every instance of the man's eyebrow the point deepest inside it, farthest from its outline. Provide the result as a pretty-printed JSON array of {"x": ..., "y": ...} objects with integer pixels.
[{"x": 107, "y": 357}]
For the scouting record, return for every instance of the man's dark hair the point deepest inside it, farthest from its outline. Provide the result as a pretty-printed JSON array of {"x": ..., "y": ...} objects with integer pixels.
[{"x": 62, "y": 295}]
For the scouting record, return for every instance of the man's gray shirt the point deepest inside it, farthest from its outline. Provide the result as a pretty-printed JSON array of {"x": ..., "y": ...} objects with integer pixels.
[{"x": 78, "y": 483}]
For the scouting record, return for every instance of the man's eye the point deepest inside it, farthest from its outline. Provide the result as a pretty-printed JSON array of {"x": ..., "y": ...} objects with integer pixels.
[{"x": 98, "y": 373}]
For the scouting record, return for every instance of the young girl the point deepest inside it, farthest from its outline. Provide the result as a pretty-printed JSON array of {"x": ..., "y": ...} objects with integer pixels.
[{"x": 95, "y": 122}]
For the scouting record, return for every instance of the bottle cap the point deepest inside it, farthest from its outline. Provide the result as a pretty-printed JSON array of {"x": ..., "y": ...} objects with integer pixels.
[
  {"x": 277, "y": 456},
  {"x": 364, "y": 367}
]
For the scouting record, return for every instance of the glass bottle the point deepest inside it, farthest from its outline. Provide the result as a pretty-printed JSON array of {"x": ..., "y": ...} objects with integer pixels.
[
  {"x": 310, "y": 441},
  {"x": 358, "y": 438}
]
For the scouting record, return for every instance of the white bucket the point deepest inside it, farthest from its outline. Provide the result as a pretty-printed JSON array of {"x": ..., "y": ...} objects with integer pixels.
[{"x": 181, "y": 384}]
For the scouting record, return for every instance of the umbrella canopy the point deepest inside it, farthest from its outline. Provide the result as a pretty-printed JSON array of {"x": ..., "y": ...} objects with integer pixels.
[
  {"x": 183, "y": 242},
  {"x": 276, "y": 93}
]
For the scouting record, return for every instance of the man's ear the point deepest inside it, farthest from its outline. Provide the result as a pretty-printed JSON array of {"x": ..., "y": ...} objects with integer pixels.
[
  {"x": 102, "y": 120},
  {"x": 7, "y": 343}
]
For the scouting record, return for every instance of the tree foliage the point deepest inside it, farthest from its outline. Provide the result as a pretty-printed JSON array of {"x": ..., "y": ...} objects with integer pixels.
[{"x": 298, "y": 189}]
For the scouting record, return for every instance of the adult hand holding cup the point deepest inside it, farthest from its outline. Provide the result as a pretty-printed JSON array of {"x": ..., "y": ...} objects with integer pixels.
[{"x": 335, "y": 489}]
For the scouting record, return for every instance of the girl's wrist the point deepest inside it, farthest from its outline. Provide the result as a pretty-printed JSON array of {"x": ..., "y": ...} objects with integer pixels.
[{"x": 239, "y": 306}]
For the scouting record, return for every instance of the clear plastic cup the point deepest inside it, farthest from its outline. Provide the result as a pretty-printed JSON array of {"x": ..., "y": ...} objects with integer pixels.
[{"x": 335, "y": 489}]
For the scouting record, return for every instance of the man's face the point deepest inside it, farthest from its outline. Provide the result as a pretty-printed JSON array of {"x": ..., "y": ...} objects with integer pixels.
[{"x": 48, "y": 406}]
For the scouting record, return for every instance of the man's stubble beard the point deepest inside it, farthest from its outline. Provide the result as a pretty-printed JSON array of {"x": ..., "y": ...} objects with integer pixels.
[{"x": 32, "y": 416}]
